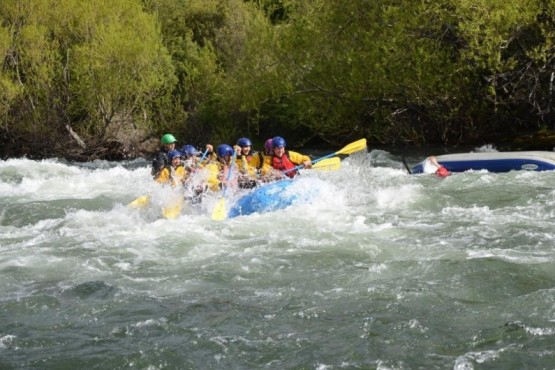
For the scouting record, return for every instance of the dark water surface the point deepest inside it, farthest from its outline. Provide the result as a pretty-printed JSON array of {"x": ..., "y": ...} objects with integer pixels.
[{"x": 382, "y": 270}]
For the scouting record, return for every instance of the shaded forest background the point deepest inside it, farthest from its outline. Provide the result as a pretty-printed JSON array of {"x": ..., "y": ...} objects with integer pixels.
[{"x": 106, "y": 78}]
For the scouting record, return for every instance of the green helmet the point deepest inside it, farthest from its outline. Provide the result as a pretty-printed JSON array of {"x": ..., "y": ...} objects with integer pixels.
[{"x": 168, "y": 139}]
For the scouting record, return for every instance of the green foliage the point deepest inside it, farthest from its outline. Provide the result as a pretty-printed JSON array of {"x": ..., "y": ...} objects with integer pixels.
[
  {"x": 397, "y": 71},
  {"x": 122, "y": 67},
  {"x": 100, "y": 65},
  {"x": 29, "y": 71},
  {"x": 275, "y": 10},
  {"x": 498, "y": 59},
  {"x": 188, "y": 30},
  {"x": 38, "y": 60},
  {"x": 209, "y": 42},
  {"x": 487, "y": 28},
  {"x": 9, "y": 90},
  {"x": 213, "y": 70},
  {"x": 342, "y": 65}
]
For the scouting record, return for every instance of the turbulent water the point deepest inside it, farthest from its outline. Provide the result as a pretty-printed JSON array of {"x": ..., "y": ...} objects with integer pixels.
[{"x": 380, "y": 270}]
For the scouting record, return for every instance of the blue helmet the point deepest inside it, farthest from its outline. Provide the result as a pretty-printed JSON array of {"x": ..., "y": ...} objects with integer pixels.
[
  {"x": 242, "y": 142},
  {"x": 278, "y": 142},
  {"x": 224, "y": 150},
  {"x": 189, "y": 151},
  {"x": 172, "y": 154}
]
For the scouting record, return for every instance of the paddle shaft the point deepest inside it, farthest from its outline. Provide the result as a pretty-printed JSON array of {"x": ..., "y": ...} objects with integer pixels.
[
  {"x": 219, "y": 212},
  {"x": 228, "y": 177},
  {"x": 203, "y": 156},
  {"x": 347, "y": 149},
  {"x": 301, "y": 166}
]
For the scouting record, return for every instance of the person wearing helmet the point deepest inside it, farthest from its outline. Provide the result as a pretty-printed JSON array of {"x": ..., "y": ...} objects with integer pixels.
[
  {"x": 174, "y": 174},
  {"x": 194, "y": 186},
  {"x": 244, "y": 156},
  {"x": 244, "y": 142},
  {"x": 432, "y": 166},
  {"x": 224, "y": 153},
  {"x": 284, "y": 160},
  {"x": 262, "y": 162},
  {"x": 160, "y": 159},
  {"x": 268, "y": 147},
  {"x": 246, "y": 162},
  {"x": 189, "y": 157},
  {"x": 218, "y": 169},
  {"x": 189, "y": 151}
]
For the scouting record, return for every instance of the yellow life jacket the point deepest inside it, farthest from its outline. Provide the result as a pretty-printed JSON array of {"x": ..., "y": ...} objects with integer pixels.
[{"x": 172, "y": 176}]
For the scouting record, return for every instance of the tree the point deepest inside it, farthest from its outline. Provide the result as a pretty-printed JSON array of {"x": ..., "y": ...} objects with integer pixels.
[
  {"x": 9, "y": 90},
  {"x": 120, "y": 67},
  {"x": 91, "y": 66}
]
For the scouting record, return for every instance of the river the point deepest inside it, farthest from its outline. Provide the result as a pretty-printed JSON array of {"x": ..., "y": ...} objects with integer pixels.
[{"x": 380, "y": 270}]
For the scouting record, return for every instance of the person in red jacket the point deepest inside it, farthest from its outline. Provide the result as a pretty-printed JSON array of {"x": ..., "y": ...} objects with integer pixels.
[{"x": 286, "y": 160}]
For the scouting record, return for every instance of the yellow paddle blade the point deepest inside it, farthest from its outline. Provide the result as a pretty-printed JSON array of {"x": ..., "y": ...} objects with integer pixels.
[
  {"x": 353, "y": 147},
  {"x": 140, "y": 202},
  {"x": 329, "y": 164},
  {"x": 173, "y": 211},
  {"x": 219, "y": 212}
]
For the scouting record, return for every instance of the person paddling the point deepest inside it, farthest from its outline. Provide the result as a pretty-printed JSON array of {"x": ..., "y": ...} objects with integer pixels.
[
  {"x": 160, "y": 160},
  {"x": 219, "y": 168},
  {"x": 244, "y": 154},
  {"x": 192, "y": 159},
  {"x": 244, "y": 160},
  {"x": 174, "y": 174},
  {"x": 284, "y": 160},
  {"x": 189, "y": 156},
  {"x": 194, "y": 186},
  {"x": 262, "y": 161}
]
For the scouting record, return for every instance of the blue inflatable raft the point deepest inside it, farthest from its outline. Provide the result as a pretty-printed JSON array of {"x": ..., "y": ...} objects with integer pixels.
[
  {"x": 494, "y": 162},
  {"x": 267, "y": 198}
]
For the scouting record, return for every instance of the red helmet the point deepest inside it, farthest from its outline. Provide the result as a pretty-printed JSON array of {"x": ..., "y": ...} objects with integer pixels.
[{"x": 442, "y": 172}]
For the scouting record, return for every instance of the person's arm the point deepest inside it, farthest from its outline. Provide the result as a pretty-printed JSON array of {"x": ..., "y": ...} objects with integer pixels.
[
  {"x": 211, "y": 156},
  {"x": 300, "y": 159},
  {"x": 434, "y": 161}
]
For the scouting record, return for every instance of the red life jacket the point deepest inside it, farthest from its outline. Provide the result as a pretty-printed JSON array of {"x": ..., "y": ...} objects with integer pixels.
[{"x": 283, "y": 164}]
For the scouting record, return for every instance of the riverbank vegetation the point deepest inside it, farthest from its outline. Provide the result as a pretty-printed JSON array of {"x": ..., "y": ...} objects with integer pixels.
[{"x": 104, "y": 79}]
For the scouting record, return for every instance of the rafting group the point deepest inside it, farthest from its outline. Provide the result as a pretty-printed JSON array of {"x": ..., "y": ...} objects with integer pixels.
[
  {"x": 177, "y": 167},
  {"x": 226, "y": 166}
]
